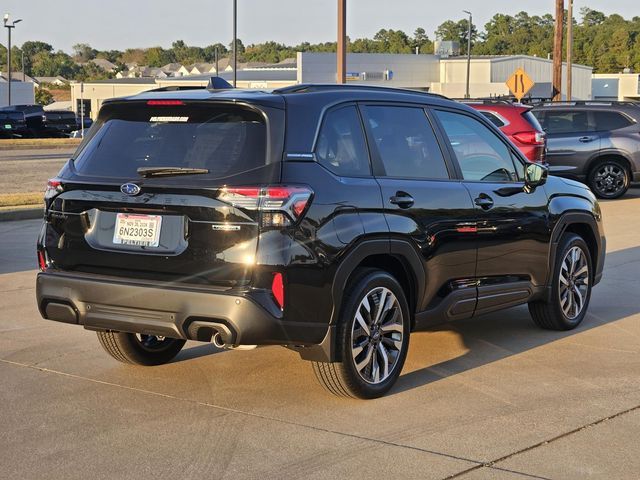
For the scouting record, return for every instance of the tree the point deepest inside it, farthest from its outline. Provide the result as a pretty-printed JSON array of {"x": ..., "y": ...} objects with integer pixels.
[
  {"x": 82, "y": 52},
  {"x": 43, "y": 96},
  {"x": 421, "y": 41}
]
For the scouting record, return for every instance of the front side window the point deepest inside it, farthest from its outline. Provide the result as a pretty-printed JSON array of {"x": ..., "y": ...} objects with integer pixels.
[
  {"x": 341, "y": 145},
  {"x": 482, "y": 156},
  {"x": 407, "y": 145}
]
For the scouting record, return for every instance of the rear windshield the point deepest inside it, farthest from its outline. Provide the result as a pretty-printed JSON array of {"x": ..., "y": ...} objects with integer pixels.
[
  {"x": 226, "y": 140},
  {"x": 61, "y": 116},
  {"x": 12, "y": 116},
  {"x": 533, "y": 121}
]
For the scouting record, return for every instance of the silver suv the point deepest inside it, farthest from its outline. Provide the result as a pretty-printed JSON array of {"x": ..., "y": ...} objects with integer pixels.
[{"x": 597, "y": 143}]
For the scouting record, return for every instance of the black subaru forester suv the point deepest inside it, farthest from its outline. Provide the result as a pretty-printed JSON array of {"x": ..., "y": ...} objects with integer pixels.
[{"x": 333, "y": 220}]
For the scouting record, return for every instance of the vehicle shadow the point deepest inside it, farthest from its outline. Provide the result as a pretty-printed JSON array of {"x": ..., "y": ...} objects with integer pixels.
[{"x": 499, "y": 335}]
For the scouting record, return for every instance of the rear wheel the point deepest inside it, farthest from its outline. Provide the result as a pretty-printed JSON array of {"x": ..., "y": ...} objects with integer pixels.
[
  {"x": 140, "y": 349},
  {"x": 609, "y": 179},
  {"x": 571, "y": 288},
  {"x": 372, "y": 338}
]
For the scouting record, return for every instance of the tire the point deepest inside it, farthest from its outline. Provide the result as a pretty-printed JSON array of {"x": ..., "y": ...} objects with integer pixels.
[
  {"x": 562, "y": 312},
  {"x": 609, "y": 179},
  {"x": 362, "y": 374},
  {"x": 140, "y": 349}
]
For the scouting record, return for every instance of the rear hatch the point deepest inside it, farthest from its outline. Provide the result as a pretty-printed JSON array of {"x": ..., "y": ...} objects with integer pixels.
[
  {"x": 11, "y": 121},
  {"x": 147, "y": 195}
]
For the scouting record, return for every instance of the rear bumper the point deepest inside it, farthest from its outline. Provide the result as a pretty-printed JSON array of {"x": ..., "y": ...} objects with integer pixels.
[{"x": 105, "y": 303}]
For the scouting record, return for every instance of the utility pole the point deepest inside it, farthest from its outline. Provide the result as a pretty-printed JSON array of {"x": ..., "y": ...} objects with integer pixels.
[
  {"x": 216, "y": 60},
  {"x": 341, "y": 76},
  {"x": 467, "y": 94},
  {"x": 235, "y": 43},
  {"x": 570, "y": 50},
  {"x": 557, "y": 51}
]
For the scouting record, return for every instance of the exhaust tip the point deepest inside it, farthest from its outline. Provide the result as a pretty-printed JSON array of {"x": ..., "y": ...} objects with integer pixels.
[{"x": 217, "y": 340}]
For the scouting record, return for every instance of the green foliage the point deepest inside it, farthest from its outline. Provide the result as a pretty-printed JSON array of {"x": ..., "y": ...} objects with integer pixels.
[{"x": 43, "y": 96}]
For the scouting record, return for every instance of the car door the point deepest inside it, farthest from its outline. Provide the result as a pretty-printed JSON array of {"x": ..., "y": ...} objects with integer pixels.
[
  {"x": 424, "y": 204},
  {"x": 572, "y": 140},
  {"x": 512, "y": 226}
]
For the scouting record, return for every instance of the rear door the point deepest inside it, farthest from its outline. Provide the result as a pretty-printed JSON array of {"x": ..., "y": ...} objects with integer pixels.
[
  {"x": 194, "y": 228},
  {"x": 572, "y": 139},
  {"x": 422, "y": 202}
]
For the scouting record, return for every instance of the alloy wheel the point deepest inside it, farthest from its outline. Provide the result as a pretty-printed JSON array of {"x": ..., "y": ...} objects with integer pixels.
[
  {"x": 377, "y": 335},
  {"x": 609, "y": 179},
  {"x": 574, "y": 282}
]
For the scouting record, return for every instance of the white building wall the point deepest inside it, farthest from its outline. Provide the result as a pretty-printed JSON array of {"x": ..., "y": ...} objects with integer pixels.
[
  {"x": 413, "y": 71},
  {"x": 624, "y": 86},
  {"x": 22, "y": 93}
]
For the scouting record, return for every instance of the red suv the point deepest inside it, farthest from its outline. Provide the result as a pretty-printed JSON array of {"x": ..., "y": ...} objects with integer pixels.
[{"x": 518, "y": 123}]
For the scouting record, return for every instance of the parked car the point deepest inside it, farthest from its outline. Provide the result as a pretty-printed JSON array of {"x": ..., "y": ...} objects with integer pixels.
[
  {"x": 518, "y": 123},
  {"x": 59, "y": 123},
  {"x": 34, "y": 118},
  {"x": 333, "y": 220},
  {"x": 597, "y": 143},
  {"x": 12, "y": 124}
]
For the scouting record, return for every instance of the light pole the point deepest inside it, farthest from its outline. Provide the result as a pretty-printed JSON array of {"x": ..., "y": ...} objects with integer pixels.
[
  {"x": 467, "y": 95},
  {"x": 235, "y": 42},
  {"x": 9, "y": 27}
]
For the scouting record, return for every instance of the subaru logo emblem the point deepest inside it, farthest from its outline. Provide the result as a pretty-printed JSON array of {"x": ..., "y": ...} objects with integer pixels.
[{"x": 130, "y": 189}]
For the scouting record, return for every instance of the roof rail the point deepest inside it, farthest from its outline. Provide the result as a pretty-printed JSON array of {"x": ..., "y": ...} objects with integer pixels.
[
  {"x": 577, "y": 103},
  {"x": 320, "y": 87},
  {"x": 484, "y": 101}
]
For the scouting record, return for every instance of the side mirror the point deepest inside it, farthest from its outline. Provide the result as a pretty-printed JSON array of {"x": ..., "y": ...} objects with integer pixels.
[{"x": 535, "y": 175}]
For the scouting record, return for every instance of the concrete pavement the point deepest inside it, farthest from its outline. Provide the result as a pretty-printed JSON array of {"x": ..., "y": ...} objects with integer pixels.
[{"x": 489, "y": 398}]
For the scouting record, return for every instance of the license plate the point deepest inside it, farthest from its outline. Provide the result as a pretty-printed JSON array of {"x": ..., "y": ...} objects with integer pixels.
[
  {"x": 140, "y": 230},
  {"x": 8, "y": 127}
]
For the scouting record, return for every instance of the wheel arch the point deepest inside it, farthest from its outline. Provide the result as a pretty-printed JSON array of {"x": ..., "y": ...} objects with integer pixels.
[{"x": 608, "y": 155}]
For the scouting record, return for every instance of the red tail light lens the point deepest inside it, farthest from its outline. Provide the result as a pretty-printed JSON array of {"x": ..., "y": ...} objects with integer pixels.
[
  {"x": 164, "y": 103},
  {"x": 530, "y": 138},
  {"x": 277, "y": 289},
  {"x": 42, "y": 261},
  {"x": 54, "y": 186},
  {"x": 281, "y": 205}
]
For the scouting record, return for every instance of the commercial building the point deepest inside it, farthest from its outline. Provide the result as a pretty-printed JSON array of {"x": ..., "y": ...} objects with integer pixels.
[
  {"x": 616, "y": 86},
  {"x": 434, "y": 73},
  {"x": 22, "y": 93}
]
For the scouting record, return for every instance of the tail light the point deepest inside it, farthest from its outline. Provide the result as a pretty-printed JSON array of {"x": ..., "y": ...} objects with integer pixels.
[
  {"x": 164, "y": 103},
  {"x": 530, "y": 138},
  {"x": 54, "y": 187},
  {"x": 280, "y": 205},
  {"x": 42, "y": 261},
  {"x": 277, "y": 289}
]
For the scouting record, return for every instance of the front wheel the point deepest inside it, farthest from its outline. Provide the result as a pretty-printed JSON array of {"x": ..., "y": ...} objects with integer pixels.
[
  {"x": 372, "y": 338},
  {"x": 571, "y": 287},
  {"x": 140, "y": 349}
]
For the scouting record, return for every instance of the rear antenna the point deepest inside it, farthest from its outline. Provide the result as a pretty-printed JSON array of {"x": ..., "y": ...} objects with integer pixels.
[{"x": 218, "y": 83}]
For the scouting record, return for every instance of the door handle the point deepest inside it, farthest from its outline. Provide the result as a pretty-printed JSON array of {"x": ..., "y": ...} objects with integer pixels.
[
  {"x": 402, "y": 199},
  {"x": 585, "y": 139},
  {"x": 484, "y": 201}
]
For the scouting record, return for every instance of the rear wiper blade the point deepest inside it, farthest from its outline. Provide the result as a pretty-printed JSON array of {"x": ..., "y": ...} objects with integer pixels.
[{"x": 169, "y": 171}]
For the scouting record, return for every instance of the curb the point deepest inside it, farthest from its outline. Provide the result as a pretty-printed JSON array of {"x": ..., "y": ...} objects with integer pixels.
[{"x": 22, "y": 214}]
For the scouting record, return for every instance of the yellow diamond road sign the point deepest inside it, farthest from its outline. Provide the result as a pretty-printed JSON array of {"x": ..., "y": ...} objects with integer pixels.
[{"x": 520, "y": 83}]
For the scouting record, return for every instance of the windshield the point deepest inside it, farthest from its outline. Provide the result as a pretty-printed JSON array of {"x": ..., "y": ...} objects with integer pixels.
[
  {"x": 12, "y": 116},
  {"x": 225, "y": 140}
]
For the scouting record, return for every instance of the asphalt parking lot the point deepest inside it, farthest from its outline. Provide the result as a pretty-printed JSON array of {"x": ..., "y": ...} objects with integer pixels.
[{"x": 489, "y": 398}]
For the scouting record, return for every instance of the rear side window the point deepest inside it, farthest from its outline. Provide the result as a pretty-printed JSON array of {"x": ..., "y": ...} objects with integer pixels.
[
  {"x": 226, "y": 140},
  {"x": 482, "y": 156},
  {"x": 493, "y": 118},
  {"x": 407, "y": 145},
  {"x": 341, "y": 145},
  {"x": 610, "y": 120},
  {"x": 566, "y": 121}
]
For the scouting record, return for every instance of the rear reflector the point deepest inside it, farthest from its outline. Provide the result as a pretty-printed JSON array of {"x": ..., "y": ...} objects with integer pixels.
[
  {"x": 277, "y": 289},
  {"x": 164, "y": 103}
]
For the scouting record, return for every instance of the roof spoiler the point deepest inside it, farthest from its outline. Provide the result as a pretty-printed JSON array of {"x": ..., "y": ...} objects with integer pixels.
[{"x": 215, "y": 83}]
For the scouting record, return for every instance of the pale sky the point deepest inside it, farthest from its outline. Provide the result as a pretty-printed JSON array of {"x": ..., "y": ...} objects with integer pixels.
[{"x": 121, "y": 24}]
